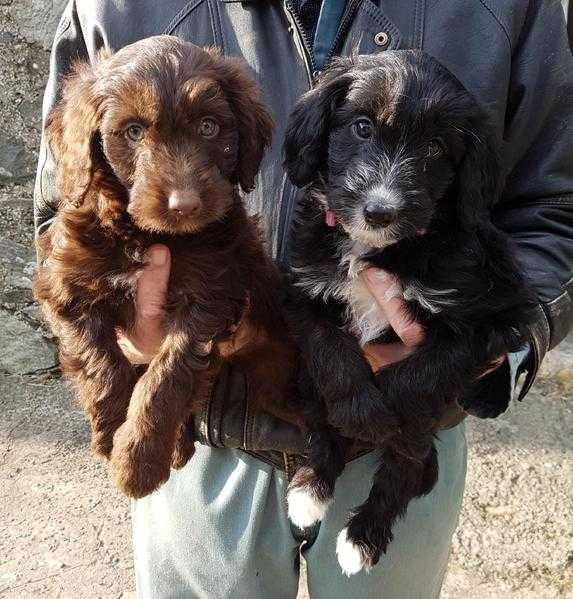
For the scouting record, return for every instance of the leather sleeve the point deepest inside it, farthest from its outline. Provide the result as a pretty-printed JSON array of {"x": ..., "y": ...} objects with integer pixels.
[
  {"x": 68, "y": 46},
  {"x": 537, "y": 207},
  {"x": 229, "y": 421}
]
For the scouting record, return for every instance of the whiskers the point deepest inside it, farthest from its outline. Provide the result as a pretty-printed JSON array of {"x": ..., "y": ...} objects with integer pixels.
[{"x": 359, "y": 230}]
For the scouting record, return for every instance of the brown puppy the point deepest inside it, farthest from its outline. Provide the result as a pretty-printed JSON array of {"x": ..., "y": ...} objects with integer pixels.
[{"x": 151, "y": 144}]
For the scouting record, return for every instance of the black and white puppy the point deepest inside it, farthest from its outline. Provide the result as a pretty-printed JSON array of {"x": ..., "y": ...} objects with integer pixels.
[{"x": 400, "y": 169}]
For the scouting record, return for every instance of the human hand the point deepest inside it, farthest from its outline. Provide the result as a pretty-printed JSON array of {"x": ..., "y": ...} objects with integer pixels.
[
  {"x": 384, "y": 288},
  {"x": 142, "y": 342}
]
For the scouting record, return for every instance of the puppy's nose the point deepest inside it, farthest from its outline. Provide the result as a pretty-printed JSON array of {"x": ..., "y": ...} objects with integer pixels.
[
  {"x": 379, "y": 215},
  {"x": 185, "y": 202}
]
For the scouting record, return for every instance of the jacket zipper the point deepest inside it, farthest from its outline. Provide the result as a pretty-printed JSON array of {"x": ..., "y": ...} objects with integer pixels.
[
  {"x": 342, "y": 28},
  {"x": 296, "y": 24},
  {"x": 287, "y": 206}
]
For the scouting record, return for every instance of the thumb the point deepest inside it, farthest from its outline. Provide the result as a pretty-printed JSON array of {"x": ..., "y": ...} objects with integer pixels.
[{"x": 151, "y": 291}]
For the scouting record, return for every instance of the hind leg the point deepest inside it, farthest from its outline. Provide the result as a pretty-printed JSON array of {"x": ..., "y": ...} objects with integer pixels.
[
  {"x": 184, "y": 447},
  {"x": 368, "y": 533},
  {"x": 104, "y": 378},
  {"x": 311, "y": 490}
]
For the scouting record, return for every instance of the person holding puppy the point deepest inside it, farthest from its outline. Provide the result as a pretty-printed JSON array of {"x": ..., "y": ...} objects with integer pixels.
[{"x": 219, "y": 528}]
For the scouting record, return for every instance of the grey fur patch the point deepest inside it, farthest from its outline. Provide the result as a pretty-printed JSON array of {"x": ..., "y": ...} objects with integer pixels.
[
  {"x": 433, "y": 300},
  {"x": 364, "y": 318}
]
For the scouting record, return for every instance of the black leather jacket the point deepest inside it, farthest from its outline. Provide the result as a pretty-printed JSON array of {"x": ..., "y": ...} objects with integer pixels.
[{"x": 512, "y": 55}]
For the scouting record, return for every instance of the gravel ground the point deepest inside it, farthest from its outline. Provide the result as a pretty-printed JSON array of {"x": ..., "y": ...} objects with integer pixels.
[{"x": 64, "y": 530}]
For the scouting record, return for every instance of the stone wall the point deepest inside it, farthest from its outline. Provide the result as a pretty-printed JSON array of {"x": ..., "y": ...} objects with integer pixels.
[
  {"x": 26, "y": 28},
  {"x": 35, "y": 20}
]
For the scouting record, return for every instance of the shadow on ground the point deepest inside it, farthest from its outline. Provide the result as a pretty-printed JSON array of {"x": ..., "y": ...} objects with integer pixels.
[{"x": 64, "y": 530}]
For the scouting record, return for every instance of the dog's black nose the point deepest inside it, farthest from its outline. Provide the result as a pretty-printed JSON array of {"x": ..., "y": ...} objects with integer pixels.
[{"x": 378, "y": 215}]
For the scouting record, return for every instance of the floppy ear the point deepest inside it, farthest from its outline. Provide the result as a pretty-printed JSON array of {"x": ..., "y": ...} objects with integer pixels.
[
  {"x": 71, "y": 129},
  {"x": 306, "y": 137},
  {"x": 254, "y": 122},
  {"x": 480, "y": 178}
]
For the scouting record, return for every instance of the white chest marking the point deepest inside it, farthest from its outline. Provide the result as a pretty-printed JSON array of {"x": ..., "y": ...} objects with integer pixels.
[{"x": 365, "y": 317}]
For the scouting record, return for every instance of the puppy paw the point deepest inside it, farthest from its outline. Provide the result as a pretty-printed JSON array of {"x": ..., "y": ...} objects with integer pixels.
[
  {"x": 489, "y": 396},
  {"x": 137, "y": 465},
  {"x": 306, "y": 498},
  {"x": 352, "y": 557},
  {"x": 486, "y": 410},
  {"x": 102, "y": 445}
]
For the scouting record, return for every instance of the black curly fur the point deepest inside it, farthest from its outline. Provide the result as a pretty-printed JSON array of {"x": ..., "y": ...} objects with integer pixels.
[{"x": 433, "y": 159}]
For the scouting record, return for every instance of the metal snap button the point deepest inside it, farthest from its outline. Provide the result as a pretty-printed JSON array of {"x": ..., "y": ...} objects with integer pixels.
[{"x": 381, "y": 38}]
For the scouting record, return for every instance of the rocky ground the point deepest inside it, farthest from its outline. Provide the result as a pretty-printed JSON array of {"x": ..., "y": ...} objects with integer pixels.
[{"x": 64, "y": 531}]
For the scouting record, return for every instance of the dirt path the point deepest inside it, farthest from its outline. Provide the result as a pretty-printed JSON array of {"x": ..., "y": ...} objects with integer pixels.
[{"x": 64, "y": 531}]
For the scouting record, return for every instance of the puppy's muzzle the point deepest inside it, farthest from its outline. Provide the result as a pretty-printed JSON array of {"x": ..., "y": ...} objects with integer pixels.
[
  {"x": 184, "y": 202},
  {"x": 377, "y": 214}
]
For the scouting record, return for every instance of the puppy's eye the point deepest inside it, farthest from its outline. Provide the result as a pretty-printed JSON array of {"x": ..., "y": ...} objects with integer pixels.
[
  {"x": 363, "y": 128},
  {"x": 208, "y": 128},
  {"x": 135, "y": 132},
  {"x": 435, "y": 148}
]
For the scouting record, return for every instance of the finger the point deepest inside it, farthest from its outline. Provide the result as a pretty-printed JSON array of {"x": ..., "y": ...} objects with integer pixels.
[
  {"x": 141, "y": 343},
  {"x": 380, "y": 355},
  {"x": 410, "y": 332},
  {"x": 388, "y": 295},
  {"x": 493, "y": 366},
  {"x": 152, "y": 287},
  {"x": 135, "y": 353}
]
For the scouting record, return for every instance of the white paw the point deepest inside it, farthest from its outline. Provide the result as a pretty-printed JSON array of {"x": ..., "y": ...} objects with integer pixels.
[
  {"x": 304, "y": 507},
  {"x": 351, "y": 557}
]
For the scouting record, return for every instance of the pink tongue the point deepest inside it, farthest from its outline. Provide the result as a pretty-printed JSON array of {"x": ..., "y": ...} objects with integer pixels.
[{"x": 330, "y": 218}]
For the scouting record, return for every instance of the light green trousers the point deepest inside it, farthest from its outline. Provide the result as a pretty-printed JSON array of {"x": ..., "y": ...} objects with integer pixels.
[{"x": 218, "y": 529}]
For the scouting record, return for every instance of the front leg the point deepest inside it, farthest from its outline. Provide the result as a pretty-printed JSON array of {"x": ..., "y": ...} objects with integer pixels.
[
  {"x": 104, "y": 378},
  {"x": 161, "y": 403},
  {"x": 338, "y": 369},
  {"x": 311, "y": 489},
  {"x": 397, "y": 481}
]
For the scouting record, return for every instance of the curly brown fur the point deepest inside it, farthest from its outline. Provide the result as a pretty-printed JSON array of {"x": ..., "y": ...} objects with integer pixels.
[{"x": 151, "y": 144}]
